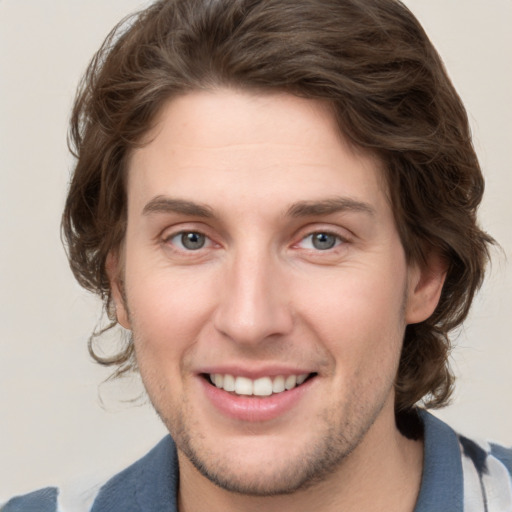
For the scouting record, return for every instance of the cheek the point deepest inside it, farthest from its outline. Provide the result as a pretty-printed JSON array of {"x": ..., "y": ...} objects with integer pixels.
[
  {"x": 357, "y": 298},
  {"x": 359, "y": 314},
  {"x": 168, "y": 311}
]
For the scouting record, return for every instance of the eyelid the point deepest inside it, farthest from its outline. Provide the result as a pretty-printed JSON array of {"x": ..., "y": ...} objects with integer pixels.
[
  {"x": 208, "y": 242},
  {"x": 173, "y": 231},
  {"x": 341, "y": 233},
  {"x": 338, "y": 241}
]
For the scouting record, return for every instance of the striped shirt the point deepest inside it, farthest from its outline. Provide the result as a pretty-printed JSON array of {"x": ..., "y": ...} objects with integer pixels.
[{"x": 459, "y": 475}]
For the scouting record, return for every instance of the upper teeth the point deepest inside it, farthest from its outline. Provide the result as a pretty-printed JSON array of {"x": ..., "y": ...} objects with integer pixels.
[{"x": 263, "y": 386}]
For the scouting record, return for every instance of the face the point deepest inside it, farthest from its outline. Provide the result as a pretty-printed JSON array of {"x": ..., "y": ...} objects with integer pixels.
[{"x": 266, "y": 287}]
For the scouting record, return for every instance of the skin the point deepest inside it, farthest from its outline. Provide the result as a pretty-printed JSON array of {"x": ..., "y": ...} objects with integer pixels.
[{"x": 244, "y": 170}]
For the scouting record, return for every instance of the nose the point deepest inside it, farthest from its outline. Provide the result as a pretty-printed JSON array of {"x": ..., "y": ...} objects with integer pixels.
[{"x": 254, "y": 303}]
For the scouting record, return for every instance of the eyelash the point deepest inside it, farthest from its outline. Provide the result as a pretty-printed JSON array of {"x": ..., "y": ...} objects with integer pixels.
[
  {"x": 338, "y": 240},
  {"x": 335, "y": 238},
  {"x": 169, "y": 240}
]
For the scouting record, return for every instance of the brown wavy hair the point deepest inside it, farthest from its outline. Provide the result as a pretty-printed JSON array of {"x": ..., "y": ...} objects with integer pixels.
[{"x": 387, "y": 87}]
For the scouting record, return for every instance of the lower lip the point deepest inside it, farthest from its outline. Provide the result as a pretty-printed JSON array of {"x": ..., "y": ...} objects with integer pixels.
[{"x": 252, "y": 408}]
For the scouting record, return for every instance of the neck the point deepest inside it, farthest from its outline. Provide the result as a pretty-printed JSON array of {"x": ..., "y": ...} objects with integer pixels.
[{"x": 382, "y": 473}]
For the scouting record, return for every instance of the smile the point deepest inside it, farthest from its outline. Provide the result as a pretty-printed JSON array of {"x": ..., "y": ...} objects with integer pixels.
[
  {"x": 260, "y": 398},
  {"x": 263, "y": 386}
]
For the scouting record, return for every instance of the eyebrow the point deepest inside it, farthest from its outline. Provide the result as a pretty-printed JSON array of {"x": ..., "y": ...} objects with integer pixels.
[
  {"x": 161, "y": 204},
  {"x": 329, "y": 206}
]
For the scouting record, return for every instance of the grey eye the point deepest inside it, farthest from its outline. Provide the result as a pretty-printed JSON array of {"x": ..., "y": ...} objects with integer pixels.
[
  {"x": 192, "y": 241},
  {"x": 323, "y": 241}
]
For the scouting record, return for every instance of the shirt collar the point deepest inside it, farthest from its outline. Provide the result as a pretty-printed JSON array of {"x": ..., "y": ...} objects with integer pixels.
[{"x": 442, "y": 481}]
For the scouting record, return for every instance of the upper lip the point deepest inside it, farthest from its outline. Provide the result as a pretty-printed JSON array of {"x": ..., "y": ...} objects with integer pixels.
[{"x": 254, "y": 373}]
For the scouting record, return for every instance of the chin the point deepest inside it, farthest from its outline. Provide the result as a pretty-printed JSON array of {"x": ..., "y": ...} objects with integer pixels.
[
  {"x": 266, "y": 467},
  {"x": 268, "y": 479}
]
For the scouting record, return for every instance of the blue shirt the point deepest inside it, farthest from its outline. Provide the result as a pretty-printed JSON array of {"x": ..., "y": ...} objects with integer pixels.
[{"x": 459, "y": 475}]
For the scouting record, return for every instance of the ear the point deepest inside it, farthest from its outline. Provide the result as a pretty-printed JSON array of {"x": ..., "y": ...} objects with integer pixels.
[
  {"x": 424, "y": 287},
  {"x": 113, "y": 266}
]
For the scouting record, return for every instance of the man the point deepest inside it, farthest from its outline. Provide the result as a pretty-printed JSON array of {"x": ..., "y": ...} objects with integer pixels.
[{"x": 278, "y": 200}]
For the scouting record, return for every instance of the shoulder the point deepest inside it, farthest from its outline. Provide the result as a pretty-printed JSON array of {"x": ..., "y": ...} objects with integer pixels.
[
  {"x": 148, "y": 485},
  {"x": 43, "y": 500},
  {"x": 487, "y": 470},
  {"x": 468, "y": 474}
]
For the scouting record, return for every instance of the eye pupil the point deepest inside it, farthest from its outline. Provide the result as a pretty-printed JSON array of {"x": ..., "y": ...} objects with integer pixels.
[
  {"x": 323, "y": 241},
  {"x": 193, "y": 241}
]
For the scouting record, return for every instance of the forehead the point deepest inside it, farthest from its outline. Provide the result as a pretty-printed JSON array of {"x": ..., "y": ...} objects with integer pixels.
[{"x": 214, "y": 144}]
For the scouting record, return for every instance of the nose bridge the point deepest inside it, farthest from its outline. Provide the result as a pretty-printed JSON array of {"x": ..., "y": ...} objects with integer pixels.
[{"x": 253, "y": 305}]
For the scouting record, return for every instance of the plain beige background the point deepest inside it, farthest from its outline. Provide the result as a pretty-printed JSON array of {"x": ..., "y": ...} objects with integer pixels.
[{"x": 53, "y": 428}]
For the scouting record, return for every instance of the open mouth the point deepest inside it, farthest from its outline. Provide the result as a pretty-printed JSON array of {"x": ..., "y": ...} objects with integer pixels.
[{"x": 263, "y": 386}]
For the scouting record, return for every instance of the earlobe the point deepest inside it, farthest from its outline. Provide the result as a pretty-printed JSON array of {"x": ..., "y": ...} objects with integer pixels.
[
  {"x": 424, "y": 288},
  {"x": 113, "y": 268}
]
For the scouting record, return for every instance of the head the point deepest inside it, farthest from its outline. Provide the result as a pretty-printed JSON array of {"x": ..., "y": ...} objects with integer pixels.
[{"x": 375, "y": 71}]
